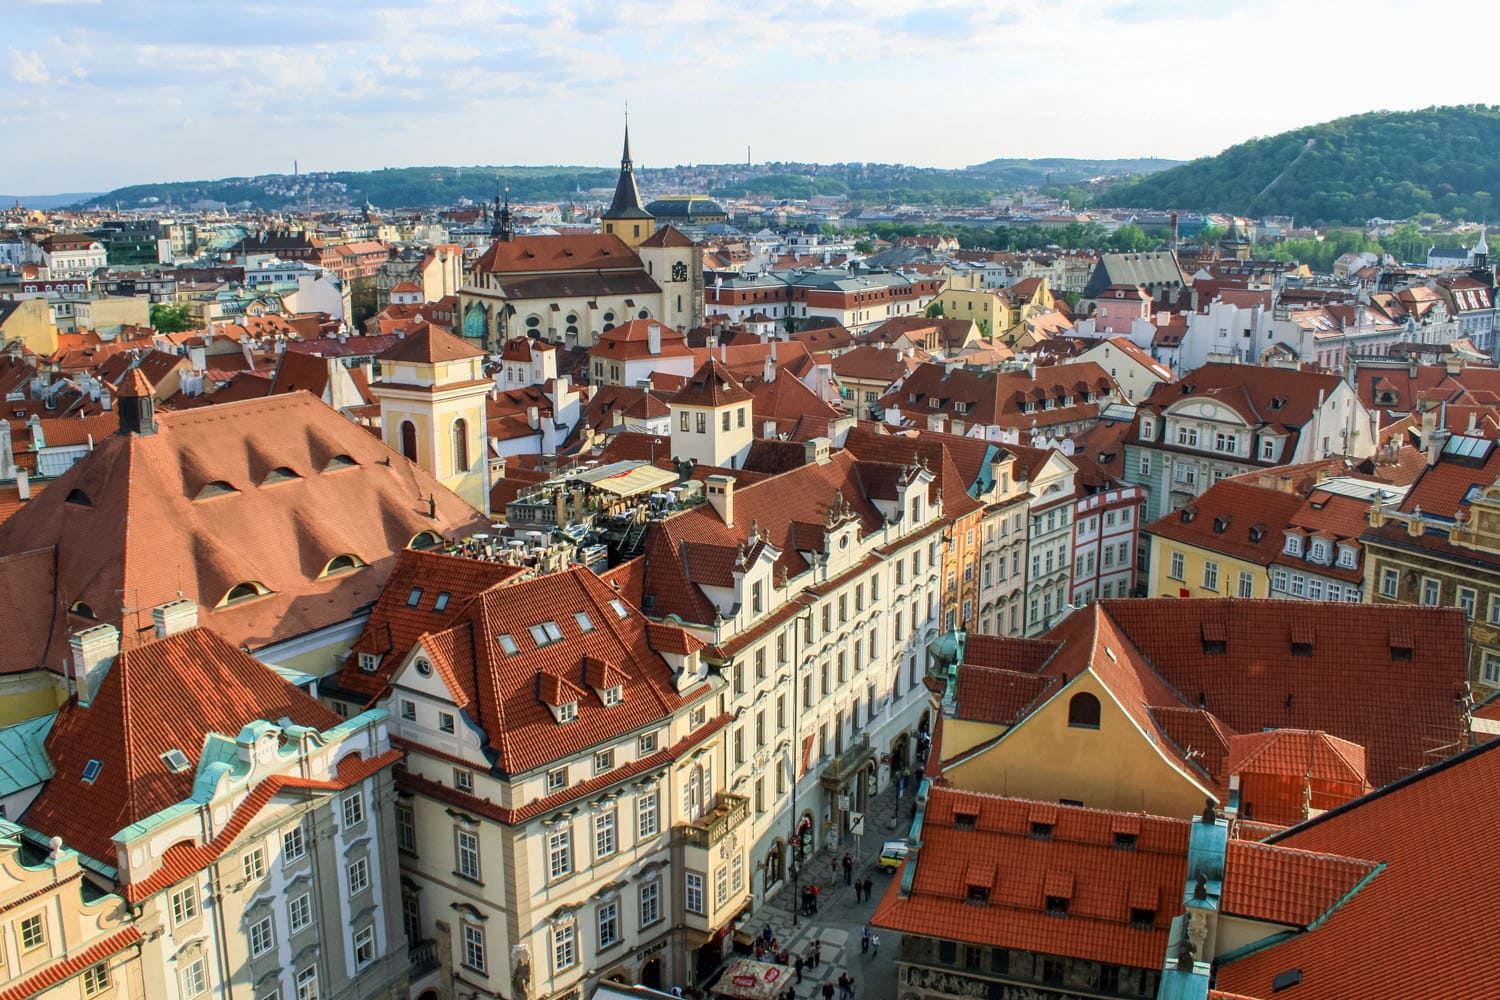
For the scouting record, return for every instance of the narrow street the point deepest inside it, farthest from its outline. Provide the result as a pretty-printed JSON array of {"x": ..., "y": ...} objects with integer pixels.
[{"x": 840, "y": 920}]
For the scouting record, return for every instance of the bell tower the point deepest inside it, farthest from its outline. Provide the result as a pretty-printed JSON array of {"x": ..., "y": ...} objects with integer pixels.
[{"x": 625, "y": 217}]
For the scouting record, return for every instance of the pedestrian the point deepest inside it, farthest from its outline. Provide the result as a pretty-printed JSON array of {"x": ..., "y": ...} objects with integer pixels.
[
  {"x": 901, "y": 786},
  {"x": 859, "y": 888},
  {"x": 817, "y": 952},
  {"x": 905, "y": 777},
  {"x": 797, "y": 968},
  {"x": 760, "y": 950},
  {"x": 844, "y": 992},
  {"x": 869, "y": 885},
  {"x": 864, "y": 939},
  {"x": 765, "y": 933},
  {"x": 815, "y": 890},
  {"x": 875, "y": 945},
  {"x": 827, "y": 991},
  {"x": 848, "y": 870}
]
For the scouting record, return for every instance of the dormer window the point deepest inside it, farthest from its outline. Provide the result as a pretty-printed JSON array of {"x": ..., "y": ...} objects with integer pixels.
[
  {"x": 567, "y": 711},
  {"x": 217, "y": 488},
  {"x": 1319, "y": 551},
  {"x": 280, "y": 474},
  {"x": 246, "y": 591},
  {"x": 1348, "y": 558},
  {"x": 368, "y": 662},
  {"x": 339, "y": 462},
  {"x": 1293, "y": 545},
  {"x": 342, "y": 564},
  {"x": 177, "y": 762},
  {"x": 612, "y": 695}
]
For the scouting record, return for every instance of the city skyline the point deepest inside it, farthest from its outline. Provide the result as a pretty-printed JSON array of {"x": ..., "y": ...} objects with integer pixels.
[{"x": 119, "y": 97}]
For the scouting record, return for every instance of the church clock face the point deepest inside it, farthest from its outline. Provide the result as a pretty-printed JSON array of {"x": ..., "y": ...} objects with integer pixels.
[{"x": 679, "y": 271}]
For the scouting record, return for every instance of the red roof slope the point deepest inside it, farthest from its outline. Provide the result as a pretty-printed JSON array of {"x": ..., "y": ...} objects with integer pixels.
[
  {"x": 1421, "y": 927},
  {"x": 165, "y": 695}
]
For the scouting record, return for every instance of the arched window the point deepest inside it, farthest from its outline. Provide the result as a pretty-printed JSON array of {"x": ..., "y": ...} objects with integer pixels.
[
  {"x": 409, "y": 440},
  {"x": 1083, "y": 711},
  {"x": 460, "y": 445},
  {"x": 342, "y": 564},
  {"x": 82, "y": 610},
  {"x": 243, "y": 592},
  {"x": 424, "y": 540}
]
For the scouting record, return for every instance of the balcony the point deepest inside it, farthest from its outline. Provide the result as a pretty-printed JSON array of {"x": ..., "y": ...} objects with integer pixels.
[
  {"x": 729, "y": 811},
  {"x": 422, "y": 958}
]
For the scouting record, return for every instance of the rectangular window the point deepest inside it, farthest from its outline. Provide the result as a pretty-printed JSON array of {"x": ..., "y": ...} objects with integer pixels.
[
  {"x": 557, "y": 780},
  {"x": 650, "y": 903},
  {"x": 299, "y": 912},
  {"x": 1211, "y": 576},
  {"x": 737, "y": 874},
  {"x": 648, "y": 815},
  {"x": 96, "y": 979},
  {"x": 646, "y": 745},
  {"x": 609, "y": 925},
  {"x": 1431, "y": 592},
  {"x": 408, "y": 710},
  {"x": 354, "y": 809},
  {"x": 682, "y": 420},
  {"x": 34, "y": 930},
  {"x": 262, "y": 936},
  {"x": 364, "y": 946},
  {"x": 693, "y": 895},
  {"x": 1390, "y": 582},
  {"x": 1177, "y": 568},
  {"x": 467, "y": 846},
  {"x": 604, "y": 760},
  {"x": 254, "y": 864},
  {"x": 565, "y": 936},
  {"x": 1494, "y": 615},
  {"x": 474, "y": 956},
  {"x": 359, "y": 876},
  {"x": 560, "y": 853},
  {"x": 195, "y": 978},
  {"x": 604, "y": 835},
  {"x": 1467, "y": 599},
  {"x": 721, "y": 886},
  {"x": 1491, "y": 674},
  {"x": 184, "y": 904},
  {"x": 1247, "y": 584}
]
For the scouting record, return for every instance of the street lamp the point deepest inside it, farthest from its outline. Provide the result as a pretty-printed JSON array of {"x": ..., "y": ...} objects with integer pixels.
[{"x": 654, "y": 443}]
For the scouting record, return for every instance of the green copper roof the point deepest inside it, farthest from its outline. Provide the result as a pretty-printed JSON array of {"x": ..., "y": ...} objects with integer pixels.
[{"x": 23, "y": 755}]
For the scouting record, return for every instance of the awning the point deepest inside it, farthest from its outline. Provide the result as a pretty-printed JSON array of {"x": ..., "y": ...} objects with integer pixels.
[
  {"x": 627, "y": 479},
  {"x": 747, "y": 979}
]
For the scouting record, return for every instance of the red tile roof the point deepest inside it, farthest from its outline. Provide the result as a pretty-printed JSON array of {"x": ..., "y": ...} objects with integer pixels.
[
  {"x": 508, "y": 694},
  {"x": 1420, "y": 927},
  {"x": 165, "y": 695},
  {"x": 586, "y": 252},
  {"x": 131, "y": 525},
  {"x": 1285, "y": 886},
  {"x": 1235, "y": 518},
  {"x": 712, "y": 385},
  {"x": 1079, "y": 861},
  {"x": 430, "y": 344}
]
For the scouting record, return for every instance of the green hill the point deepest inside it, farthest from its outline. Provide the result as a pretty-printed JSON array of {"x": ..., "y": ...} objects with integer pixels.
[{"x": 1386, "y": 164}]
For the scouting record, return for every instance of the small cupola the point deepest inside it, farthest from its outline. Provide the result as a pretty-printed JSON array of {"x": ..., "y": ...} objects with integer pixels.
[{"x": 134, "y": 393}]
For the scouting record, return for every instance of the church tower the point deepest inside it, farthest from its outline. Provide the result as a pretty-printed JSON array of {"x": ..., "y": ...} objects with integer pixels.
[
  {"x": 625, "y": 217},
  {"x": 432, "y": 409},
  {"x": 504, "y": 227}
]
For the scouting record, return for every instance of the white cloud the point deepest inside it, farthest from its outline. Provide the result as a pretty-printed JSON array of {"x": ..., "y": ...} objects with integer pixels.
[{"x": 28, "y": 68}]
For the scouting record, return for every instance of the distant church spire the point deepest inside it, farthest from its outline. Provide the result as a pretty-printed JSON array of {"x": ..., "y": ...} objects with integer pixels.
[
  {"x": 503, "y": 228},
  {"x": 627, "y": 200}
]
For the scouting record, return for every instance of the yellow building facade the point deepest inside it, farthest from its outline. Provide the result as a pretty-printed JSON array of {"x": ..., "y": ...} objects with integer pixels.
[
  {"x": 1179, "y": 569},
  {"x": 987, "y": 307},
  {"x": 1113, "y": 765},
  {"x": 432, "y": 393}
]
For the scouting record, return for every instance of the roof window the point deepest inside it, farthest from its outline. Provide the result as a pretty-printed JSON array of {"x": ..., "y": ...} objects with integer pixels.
[
  {"x": 1125, "y": 840},
  {"x": 82, "y": 610},
  {"x": 176, "y": 761},
  {"x": 342, "y": 564},
  {"x": 91, "y": 771},
  {"x": 1141, "y": 918},
  {"x": 585, "y": 623},
  {"x": 965, "y": 820},
  {"x": 424, "y": 540},
  {"x": 1057, "y": 906},
  {"x": 243, "y": 592},
  {"x": 79, "y": 498},
  {"x": 507, "y": 644},
  {"x": 1286, "y": 980},
  {"x": 545, "y": 634},
  {"x": 280, "y": 474},
  {"x": 414, "y": 598},
  {"x": 619, "y": 607},
  {"x": 1041, "y": 831},
  {"x": 441, "y": 604},
  {"x": 339, "y": 462},
  {"x": 217, "y": 488}
]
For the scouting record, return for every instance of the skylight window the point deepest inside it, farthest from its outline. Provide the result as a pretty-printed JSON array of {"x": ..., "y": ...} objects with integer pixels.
[
  {"x": 546, "y": 633},
  {"x": 585, "y": 623},
  {"x": 280, "y": 474},
  {"x": 91, "y": 771},
  {"x": 441, "y": 604},
  {"x": 619, "y": 607},
  {"x": 176, "y": 761},
  {"x": 339, "y": 462},
  {"x": 414, "y": 598},
  {"x": 507, "y": 644},
  {"x": 217, "y": 488}
]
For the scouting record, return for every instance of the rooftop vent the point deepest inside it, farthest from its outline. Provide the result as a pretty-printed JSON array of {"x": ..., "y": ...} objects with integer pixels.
[{"x": 1286, "y": 980}]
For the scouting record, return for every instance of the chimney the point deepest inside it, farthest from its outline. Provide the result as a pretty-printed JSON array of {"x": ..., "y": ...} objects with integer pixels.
[
  {"x": 720, "y": 492},
  {"x": 174, "y": 616},
  {"x": 533, "y": 417},
  {"x": 816, "y": 451},
  {"x": 93, "y": 650},
  {"x": 23, "y": 485},
  {"x": 768, "y": 374},
  {"x": 653, "y": 338},
  {"x": 1433, "y": 435}
]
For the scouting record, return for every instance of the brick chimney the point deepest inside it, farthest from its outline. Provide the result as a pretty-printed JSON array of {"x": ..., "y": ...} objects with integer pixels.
[{"x": 174, "y": 616}]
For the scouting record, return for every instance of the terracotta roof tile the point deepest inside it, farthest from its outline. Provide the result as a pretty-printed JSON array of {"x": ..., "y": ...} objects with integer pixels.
[
  {"x": 53, "y": 974},
  {"x": 430, "y": 344}
]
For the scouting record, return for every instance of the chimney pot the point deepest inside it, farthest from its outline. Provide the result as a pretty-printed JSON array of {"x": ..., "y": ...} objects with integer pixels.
[{"x": 174, "y": 616}]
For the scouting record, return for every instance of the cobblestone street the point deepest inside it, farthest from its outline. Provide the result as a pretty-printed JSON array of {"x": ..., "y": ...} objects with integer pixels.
[{"x": 840, "y": 920}]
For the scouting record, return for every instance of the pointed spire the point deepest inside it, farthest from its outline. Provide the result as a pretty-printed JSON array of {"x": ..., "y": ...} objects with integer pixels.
[
  {"x": 627, "y": 200},
  {"x": 1483, "y": 246},
  {"x": 625, "y": 163}
]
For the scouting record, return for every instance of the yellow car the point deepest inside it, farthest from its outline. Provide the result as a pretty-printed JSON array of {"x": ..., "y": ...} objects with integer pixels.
[{"x": 892, "y": 853}]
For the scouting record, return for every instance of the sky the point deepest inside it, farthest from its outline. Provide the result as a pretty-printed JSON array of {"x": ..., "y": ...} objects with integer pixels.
[{"x": 97, "y": 95}]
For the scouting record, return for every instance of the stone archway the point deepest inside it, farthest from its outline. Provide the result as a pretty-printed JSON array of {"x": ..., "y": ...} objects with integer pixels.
[{"x": 651, "y": 973}]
